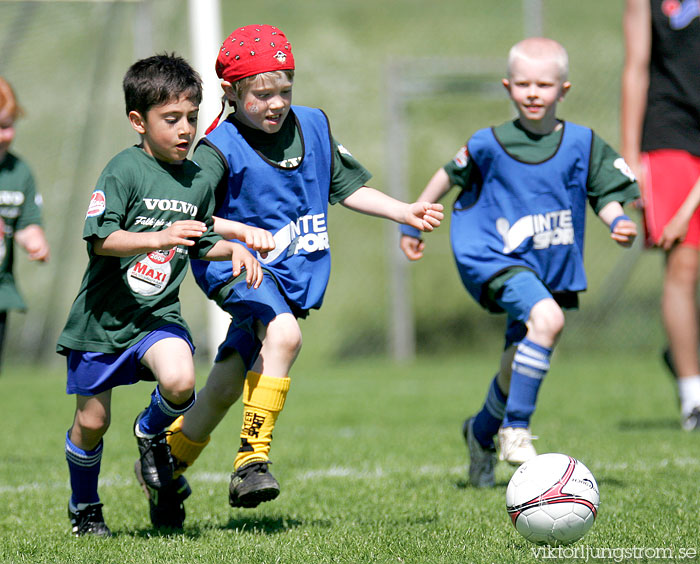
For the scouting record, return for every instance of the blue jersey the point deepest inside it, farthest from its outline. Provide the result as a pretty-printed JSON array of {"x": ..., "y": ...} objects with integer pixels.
[
  {"x": 529, "y": 215},
  {"x": 291, "y": 203}
]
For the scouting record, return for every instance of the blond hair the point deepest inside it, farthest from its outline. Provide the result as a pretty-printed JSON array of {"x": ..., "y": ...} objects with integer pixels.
[
  {"x": 240, "y": 86},
  {"x": 540, "y": 48},
  {"x": 8, "y": 100}
]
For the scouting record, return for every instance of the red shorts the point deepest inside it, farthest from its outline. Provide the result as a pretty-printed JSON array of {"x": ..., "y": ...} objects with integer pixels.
[{"x": 669, "y": 175}]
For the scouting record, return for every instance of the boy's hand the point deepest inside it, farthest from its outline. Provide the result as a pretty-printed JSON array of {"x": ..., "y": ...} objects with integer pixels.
[
  {"x": 624, "y": 233},
  {"x": 241, "y": 258},
  {"x": 33, "y": 240},
  {"x": 425, "y": 216},
  {"x": 674, "y": 232},
  {"x": 411, "y": 247},
  {"x": 38, "y": 251},
  {"x": 180, "y": 233},
  {"x": 260, "y": 240}
]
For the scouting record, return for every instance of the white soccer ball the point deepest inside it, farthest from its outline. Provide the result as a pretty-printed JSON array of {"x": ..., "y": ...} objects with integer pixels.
[{"x": 552, "y": 499}]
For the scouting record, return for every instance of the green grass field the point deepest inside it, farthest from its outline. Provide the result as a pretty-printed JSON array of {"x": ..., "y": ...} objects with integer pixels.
[{"x": 372, "y": 467}]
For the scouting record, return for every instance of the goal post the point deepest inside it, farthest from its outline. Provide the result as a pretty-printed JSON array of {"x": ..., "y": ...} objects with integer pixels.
[
  {"x": 205, "y": 38},
  {"x": 408, "y": 80}
]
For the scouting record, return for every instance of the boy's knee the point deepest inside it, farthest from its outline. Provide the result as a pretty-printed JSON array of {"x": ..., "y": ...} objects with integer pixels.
[
  {"x": 177, "y": 390},
  {"x": 91, "y": 424},
  {"x": 176, "y": 384},
  {"x": 284, "y": 334},
  {"x": 546, "y": 320}
]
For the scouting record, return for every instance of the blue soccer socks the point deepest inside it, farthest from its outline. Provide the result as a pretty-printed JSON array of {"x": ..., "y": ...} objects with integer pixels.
[
  {"x": 489, "y": 419},
  {"x": 160, "y": 413},
  {"x": 530, "y": 365},
  {"x": 84, "y": 469}
]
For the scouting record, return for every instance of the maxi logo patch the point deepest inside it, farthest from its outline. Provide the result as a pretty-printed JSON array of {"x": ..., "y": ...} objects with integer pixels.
[
  {"x": 97, "y": 204},
  {"x": 150, "y": 274}
]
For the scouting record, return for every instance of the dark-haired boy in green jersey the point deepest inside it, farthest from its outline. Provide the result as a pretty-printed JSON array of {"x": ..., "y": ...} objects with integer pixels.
[{"x": 149, "y": 213}]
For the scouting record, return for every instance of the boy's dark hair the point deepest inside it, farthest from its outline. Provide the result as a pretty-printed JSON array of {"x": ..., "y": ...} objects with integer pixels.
[{"x": 159, "y": 79}]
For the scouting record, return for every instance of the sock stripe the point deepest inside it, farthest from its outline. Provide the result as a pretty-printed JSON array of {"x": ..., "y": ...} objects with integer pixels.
[
  {"x": 530, "y": 366},
  {"x": 536, "y": 363},
  {"x": 170, "y": 410},
  {"x": 533, "y": 373},
  {"x": 531, "y": 349},
  {"x": 80, "y": 457}
]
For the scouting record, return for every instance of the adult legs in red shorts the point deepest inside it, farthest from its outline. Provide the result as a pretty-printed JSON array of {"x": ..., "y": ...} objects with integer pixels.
[{"x": 670, "y": 176}]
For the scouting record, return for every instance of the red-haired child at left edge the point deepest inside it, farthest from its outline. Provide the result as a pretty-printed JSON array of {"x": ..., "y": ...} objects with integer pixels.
[{"x": 277, "y": 167}]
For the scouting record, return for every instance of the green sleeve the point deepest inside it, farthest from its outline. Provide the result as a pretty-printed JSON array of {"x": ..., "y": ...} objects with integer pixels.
[
  {"x": 461, "y": 170},
  {"x": 209, "y": 160},
  {"x": 348, "y": 174},
  {"x": 609, "y": 177},
  {"x": 214, "y": 170},
  {"x": 113, "y": 217},
  {"x": 31, "y": 208}
]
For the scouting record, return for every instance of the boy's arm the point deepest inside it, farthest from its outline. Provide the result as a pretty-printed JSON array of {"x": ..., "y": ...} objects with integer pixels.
[
  {"x": 255, "y": 238},
  {"x": 422, "y": 215},
  {"x": 123, "y": 243},
  {"x": 622, "y": 229},
  {"x": 437, "y": 187},
  {"x": 677, "y": 228},
  {"x": 635, "y": 80},
  {"x": 33, "y": 240},
  {"x": 411, "y": 243},
  {"x": 241, "y": 259}
]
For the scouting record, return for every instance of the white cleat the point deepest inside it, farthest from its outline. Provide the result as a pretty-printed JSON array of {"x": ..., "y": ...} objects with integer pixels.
[
  {"x": 515, "y": 444},
  {"x": 691, "y": 421}
]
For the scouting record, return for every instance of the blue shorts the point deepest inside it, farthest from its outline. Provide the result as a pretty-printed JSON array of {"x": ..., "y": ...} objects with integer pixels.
[
  {"x": 520, "y": 293},
  {"x": 247, "y": 306},
  {"x": 91, "y": 373}
]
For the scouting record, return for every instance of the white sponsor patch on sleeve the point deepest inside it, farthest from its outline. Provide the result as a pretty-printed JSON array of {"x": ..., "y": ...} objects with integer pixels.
[
  {"x": 621, "y": 165},
  {"x": 97, "y": 204},
  {"x": 343, "y": 151},
  {"x": 462, "y": 157}
]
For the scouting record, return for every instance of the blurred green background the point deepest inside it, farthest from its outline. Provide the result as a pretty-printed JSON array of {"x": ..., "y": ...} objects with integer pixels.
[{"x": 66, "y": 61}]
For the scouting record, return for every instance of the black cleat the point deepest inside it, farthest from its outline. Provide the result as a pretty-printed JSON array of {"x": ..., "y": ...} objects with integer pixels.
[
  {"x": 155, "y": 465},
  {"x": 252, "y": 484},
  {"x": 88, "y": 521},
  {"x": 166, "y": 504}
]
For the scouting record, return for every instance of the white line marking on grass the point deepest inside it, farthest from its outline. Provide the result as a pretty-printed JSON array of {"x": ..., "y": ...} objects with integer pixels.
[
  {"x": 342, "y": 472},
  {"x": 645, "y": 466},
  {"x": 124, "y": 481}
]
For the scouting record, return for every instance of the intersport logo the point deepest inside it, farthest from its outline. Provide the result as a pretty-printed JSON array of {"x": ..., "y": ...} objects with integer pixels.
[
  {"x": 307, "y": 234},
  {"x": 546, "y": 230}
]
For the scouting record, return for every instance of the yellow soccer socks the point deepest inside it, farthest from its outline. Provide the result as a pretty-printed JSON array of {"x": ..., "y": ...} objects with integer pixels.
[
  {"x": 183, "y": 450},
  {"x": 263, "y": 400}
]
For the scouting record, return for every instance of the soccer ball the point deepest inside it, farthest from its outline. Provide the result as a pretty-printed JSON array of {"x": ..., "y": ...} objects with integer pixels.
[{"x": 552, "y": 499}]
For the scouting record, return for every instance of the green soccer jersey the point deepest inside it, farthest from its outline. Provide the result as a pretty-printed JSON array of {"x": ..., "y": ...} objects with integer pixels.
[
  {"x": 121, "y": 300},
  {"x": 20, "y": 206},
  {"x": 285, "y": 148},
  {"x": 609, "y": 178}
]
